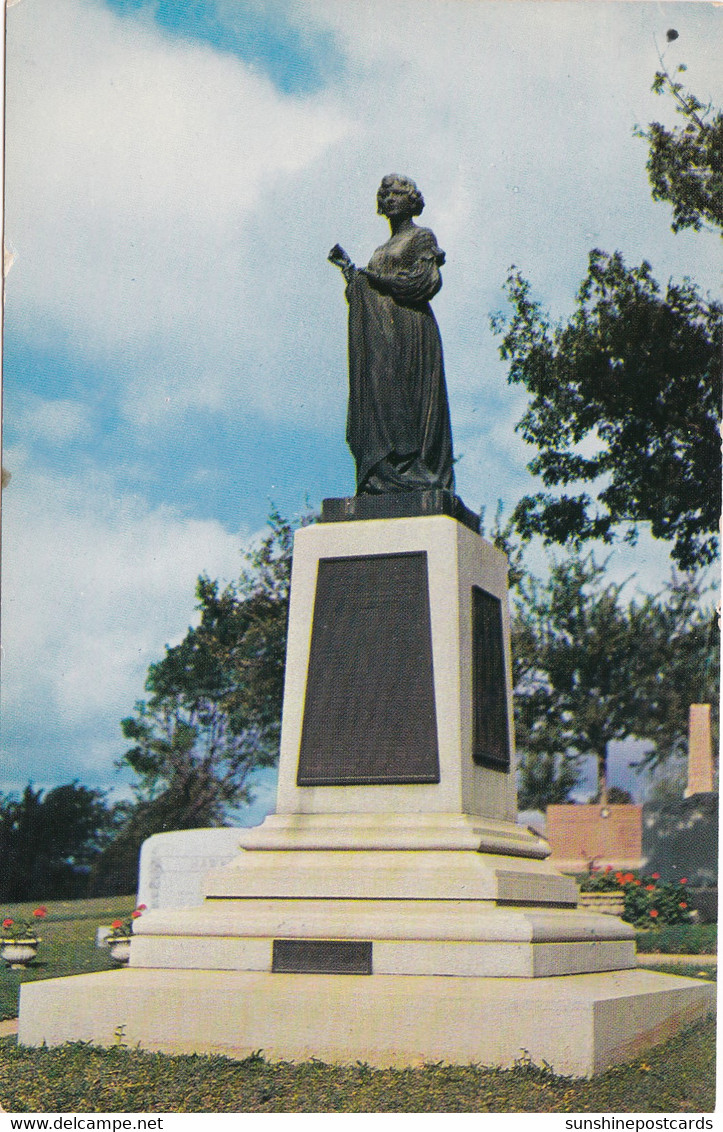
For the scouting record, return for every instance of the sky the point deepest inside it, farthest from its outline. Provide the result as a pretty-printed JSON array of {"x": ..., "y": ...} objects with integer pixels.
[{"x": 175, "y": 341}]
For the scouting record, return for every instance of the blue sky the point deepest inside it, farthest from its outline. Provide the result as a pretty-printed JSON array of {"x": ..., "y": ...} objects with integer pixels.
[{"x": 174, "y": 355}]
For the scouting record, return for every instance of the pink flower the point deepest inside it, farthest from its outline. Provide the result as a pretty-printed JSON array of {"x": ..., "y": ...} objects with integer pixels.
[
  {"x": 608, "y": 868},
  {"x": 141, "y": 908}
]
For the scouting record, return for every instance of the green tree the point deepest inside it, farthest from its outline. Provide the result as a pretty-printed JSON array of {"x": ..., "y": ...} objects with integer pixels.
[
  {"x": 685, "y": 164},
  {"x": 544, "y": 778},
  {"x": 625, "y": 395},
  {"x": 213, "y": 713},
  {"x": 682, "y": 633},
  {"x": 636, "y": 374},
  {"x": 589, "y": 669},
  {"x": 48, "y": 841}
]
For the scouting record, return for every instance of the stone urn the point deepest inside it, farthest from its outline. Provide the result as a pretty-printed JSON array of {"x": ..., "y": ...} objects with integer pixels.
[
  {"x": 19, "y": 953},
  {"x": 120, "y": 948}
]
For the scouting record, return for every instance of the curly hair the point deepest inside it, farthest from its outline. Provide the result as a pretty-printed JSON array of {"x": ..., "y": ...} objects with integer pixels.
[{"x": 416, "y": 199}]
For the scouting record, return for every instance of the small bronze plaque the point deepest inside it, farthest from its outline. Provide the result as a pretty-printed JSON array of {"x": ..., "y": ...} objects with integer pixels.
[
  {"x": 322, "y": 956},
  {"x": 491, "y": 726},
  {"x": 369, "y": 715}
]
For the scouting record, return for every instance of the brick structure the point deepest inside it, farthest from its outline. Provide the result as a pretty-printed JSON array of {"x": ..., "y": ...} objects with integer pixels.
[{"x": 607, "y": 835}]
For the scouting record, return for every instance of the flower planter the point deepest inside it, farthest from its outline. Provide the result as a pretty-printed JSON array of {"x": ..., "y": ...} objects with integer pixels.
[
  {"x": 120, "y": 948},
  {"x": 18, "y": 953}
]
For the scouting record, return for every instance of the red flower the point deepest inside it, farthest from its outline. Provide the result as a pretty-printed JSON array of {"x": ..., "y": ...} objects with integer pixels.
[
  {"x": 655, "y": 876},
  {"x": 683, "y": 880},
  {"x": 136, "y": 914},
  {"x": 650, "y": 888},
  {"x": 608, "y": 868},
  {"x": 629, "y": 877},
  {"x": 682, "y": 904},
  {"x": 653, "y": 912},
  {"x": 41, "y": 912},
  {"x": 117, "y": 924},
  {"x": 141, "y": 908},
  {"x": 8, "y": 923},
  {"x": 637, "y": 883}
]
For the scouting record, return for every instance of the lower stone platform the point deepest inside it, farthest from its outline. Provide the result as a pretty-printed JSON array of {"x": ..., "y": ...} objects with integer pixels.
[{"x": 578, "y": 1024}]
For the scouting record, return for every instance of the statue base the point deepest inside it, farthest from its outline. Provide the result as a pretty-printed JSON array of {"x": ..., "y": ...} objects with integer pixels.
[{"x": 399, "y": 505}]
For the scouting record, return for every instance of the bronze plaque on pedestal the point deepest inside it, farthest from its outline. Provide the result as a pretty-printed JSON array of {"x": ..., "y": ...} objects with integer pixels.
[
  {"x": 491, "y": 746},
  {"x": 369, "y": 716}
]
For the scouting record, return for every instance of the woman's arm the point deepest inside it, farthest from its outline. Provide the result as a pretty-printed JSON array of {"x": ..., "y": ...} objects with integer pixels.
[{"x": 340, "y": 259}]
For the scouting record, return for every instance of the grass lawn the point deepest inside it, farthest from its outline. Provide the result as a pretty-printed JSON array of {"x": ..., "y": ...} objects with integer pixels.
[
  {"x": 67, "y": 942},
  {"x": 676, "y": 1077},
  {"x": 688, "y": 939}
]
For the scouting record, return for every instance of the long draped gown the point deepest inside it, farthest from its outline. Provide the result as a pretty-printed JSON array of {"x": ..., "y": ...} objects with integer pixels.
[{"x": 398, "y": 425}]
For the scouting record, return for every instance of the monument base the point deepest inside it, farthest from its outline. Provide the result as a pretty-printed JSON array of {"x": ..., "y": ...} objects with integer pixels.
[
  {"x": 392, "y": 911},
  {"x": 310, "y": 945},
  {"x": 578, "y": 1024}
]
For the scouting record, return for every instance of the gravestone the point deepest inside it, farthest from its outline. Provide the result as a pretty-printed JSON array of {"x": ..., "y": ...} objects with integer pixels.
[
  {"x": 173, "y": 865},
  {"x": 700, "y": 751},
  {"x": 680, "y": 837}
]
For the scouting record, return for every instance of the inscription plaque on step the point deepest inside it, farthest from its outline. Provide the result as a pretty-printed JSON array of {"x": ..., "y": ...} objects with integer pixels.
[
  {"x": 322, "y": 956},
  {"x": 369, "y": 715},
  {"x": 491, "y": 746}
]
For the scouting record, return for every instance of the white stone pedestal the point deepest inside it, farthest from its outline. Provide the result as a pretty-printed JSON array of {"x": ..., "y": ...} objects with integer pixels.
[{"x": 391, "y": 911}]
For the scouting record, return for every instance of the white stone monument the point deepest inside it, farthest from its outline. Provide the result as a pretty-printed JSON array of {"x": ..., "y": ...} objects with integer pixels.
[{"x": 391, "y": 910}]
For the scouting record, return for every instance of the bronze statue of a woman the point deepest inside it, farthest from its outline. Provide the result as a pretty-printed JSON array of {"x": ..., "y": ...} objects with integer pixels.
[{"x": 398, "y": 425}]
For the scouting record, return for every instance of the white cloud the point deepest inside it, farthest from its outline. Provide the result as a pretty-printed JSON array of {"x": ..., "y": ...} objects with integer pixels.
[
  {"x": 135, "y": 165},
  {"x": 58, "y": 422},
  {"x": 95, "y": 583},
  {"x": 172, "y": 211}
]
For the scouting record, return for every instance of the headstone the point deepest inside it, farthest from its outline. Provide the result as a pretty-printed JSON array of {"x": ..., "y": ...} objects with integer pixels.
[
  {"x": 173, "y": 865},
  {"x": 680, "y": 839},
  {"x": 700, "y": 751}
]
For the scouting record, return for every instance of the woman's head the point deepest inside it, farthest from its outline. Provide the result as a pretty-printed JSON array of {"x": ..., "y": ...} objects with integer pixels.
[{"x": 399, "y": 193}]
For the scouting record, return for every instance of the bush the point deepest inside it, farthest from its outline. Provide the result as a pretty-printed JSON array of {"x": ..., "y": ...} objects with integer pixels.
[{"x": 648, "y": 899}]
